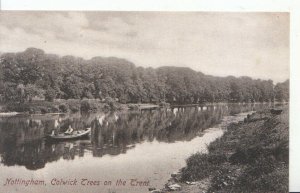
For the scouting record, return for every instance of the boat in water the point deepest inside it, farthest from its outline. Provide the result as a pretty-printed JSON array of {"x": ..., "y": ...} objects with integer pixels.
[{"x": 74, "y": 135}]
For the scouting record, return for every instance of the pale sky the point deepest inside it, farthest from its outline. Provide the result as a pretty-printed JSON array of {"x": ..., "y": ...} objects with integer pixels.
[{"x": 220, "y": 44}]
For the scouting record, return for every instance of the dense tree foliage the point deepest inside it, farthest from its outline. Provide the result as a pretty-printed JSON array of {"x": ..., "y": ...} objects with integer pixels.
[
  {"x": 33, "y": 73},
  {"x": 282, "y": 91}
]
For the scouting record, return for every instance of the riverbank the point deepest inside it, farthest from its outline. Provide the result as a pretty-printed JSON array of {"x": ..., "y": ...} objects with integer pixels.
[
  {"x": 72, "y": 106},
  {"x": 90, "y": 105},
  {"x": 60, "y": 106},
  {"x": 251, "y": 156}
]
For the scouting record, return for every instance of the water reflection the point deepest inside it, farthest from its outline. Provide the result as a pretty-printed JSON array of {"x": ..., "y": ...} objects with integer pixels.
[{"x": 22, "y": 139}]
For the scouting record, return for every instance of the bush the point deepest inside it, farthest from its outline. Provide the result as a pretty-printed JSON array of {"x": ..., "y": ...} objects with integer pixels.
[
  {"x": 221, "y": 180},
  {"x": 164, "y": 104},
  {"x": 74, "y": 105},
  {"x": 44, "y": 110},
  {"x": 85, "y": 105},
  {"x": 200, "y": 166},
  {"x": 74, "y": 109},
  {"x": 50, "y": 94},
  {"x": 111, "y": 102},
  {"x": 88, "y": 105},
  {"x": 63, "y": 108},
  {"x": 267, "y": 176},
  {"x": 106, "y": 107},
  {"x": 276, "y": 181},
  {"x": 217, "y": 158},
  {"x": 53, "y": 109}
]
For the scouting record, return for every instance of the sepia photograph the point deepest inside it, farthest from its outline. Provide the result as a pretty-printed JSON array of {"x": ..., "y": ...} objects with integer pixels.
[{"x": 144, "y": 101}]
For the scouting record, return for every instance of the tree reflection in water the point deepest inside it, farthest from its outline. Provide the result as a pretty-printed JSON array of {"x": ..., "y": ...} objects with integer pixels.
[{"x": 22, "y": 139}]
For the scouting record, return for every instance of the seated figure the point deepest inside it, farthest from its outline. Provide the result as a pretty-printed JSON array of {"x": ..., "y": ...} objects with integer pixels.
[{"x": 69, "y": 130}]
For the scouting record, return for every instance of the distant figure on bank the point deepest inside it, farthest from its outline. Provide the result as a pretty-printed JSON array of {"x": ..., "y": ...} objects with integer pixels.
[{"x": 69, "y": 130}]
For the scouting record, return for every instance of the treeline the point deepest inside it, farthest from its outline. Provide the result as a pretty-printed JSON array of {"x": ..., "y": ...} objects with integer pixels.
[{"x": 35, "y": 74}]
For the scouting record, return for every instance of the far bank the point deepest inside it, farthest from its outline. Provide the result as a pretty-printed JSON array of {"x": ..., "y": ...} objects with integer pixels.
[{"x": 95, "y": 105}]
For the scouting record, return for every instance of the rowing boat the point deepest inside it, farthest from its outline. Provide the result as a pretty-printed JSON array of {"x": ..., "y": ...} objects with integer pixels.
[{"x": 73, "y": 135}]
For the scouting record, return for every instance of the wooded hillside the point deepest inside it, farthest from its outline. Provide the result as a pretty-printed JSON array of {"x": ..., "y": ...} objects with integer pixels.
[{"x": 33, "y": 73}]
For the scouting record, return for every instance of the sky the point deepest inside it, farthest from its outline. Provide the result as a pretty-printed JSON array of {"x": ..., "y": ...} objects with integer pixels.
[{"x": 215, "y": 43}]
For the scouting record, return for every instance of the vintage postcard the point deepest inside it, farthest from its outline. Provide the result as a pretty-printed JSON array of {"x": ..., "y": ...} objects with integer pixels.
[{"x": 138, "y": 102}]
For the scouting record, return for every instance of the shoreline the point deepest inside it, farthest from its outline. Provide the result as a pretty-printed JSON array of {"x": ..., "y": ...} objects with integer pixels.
[
  {"x": 251, "y": 155},
  {"x": 93, "y": 105}
]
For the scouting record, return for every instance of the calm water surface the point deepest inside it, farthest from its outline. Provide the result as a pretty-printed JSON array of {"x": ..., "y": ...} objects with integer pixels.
[{"x": 145, "y": 145}]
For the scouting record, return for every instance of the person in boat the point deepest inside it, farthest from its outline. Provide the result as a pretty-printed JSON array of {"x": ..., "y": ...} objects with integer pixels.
[{"x": 69, "y": 130}]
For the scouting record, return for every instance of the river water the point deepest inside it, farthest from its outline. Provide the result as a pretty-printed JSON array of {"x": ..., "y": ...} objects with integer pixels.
[{"x": 139, "y": 149}]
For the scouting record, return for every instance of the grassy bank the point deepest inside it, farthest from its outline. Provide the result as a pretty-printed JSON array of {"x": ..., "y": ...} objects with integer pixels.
[
  {"x": 252, "y": 156},
  {"x": 62, "y": 106},
  {"x": 73, "y": 106}
]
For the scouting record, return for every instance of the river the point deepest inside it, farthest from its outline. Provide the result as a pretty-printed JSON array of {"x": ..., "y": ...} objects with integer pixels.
[{"x": 139, "y": 149}]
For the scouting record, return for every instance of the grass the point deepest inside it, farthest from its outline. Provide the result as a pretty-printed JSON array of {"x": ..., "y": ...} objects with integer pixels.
[
  {"x": 201, "y": 166},
  {"x": 251, "y": 156}
]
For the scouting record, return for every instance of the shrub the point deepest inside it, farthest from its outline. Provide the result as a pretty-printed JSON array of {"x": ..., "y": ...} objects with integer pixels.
[
  {"x": 85, "y": 105},
  {"x": 74, "y": 105},
  {"x": 217, "y": 158},
  {"x": 63, "y": 108},
  {"x": 44, "y": 110},
  {"x": 31, "y": 110},
  {"x": 88, "y": 105},
  {"x": 53, "y": 109},
  {"x": 267, "y": 176},
  {"x": 111, "y": 102},
  {"x": 106, "y": 107},
  {"x": 50, "y": 94},
  {"x": 164, "y": 104},
  {"x": 74, "y": 109},
  {"x": 200, "y": 166},
  {"x": 221, "y": 180}
]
